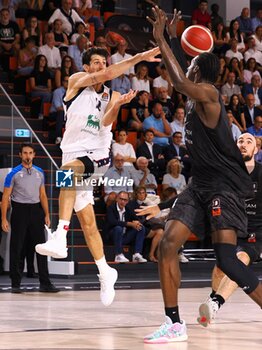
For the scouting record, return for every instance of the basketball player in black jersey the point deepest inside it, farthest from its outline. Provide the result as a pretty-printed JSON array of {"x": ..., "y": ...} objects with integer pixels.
[
  {"x": 249, "y": 248},
  {"x": 215, "y": 200}
]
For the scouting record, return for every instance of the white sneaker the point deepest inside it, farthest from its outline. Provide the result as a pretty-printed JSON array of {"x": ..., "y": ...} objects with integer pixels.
[
  {"x": 182, "y": 258},
  {"x": 54, "y": 247},
  {"x": 107, "y": 282},
  {"x": 137, "y": 257},
  {"x": 207, "y": 312},
  {"x": 120, "y": 258},
  {"x": 168, "y": 332}
]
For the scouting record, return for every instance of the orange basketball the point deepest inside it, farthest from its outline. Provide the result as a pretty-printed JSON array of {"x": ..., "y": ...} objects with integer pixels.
[{"x": 196, "y": 39}]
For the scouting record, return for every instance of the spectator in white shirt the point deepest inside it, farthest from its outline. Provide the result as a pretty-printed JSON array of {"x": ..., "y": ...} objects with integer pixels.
[
  {"x": 162, "y": 80},
  {"x": 121, "y": 55},
  {"x": 178, "y": 123},
  {"x": 234, "y": 32},
  {"x": 258, "y": 37},
  {"x": 253, "y": 51},
  {"x": 174, "y": 178},
  {"x": 68, "y": 16},
  {"x": 143, "y": 177},
  {"x": 233, "y": 52},
  {"x": 230, "y": 88},
  {"x": 84, "y": 9},
  {"x": 51, "y": 52},
  {"x": 141, "y": 81},
  {"x": 250, "y": 70},
  {"x": 124, "y": 148}
]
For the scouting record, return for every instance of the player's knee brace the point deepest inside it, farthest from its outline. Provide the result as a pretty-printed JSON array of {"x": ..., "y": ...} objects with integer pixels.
[
  {"x": 89, "y": 166},
  {"x": 228, "y": 262}
]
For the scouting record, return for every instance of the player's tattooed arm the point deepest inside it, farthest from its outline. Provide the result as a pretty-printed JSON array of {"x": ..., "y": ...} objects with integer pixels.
[{"x": 84, "y": 79}]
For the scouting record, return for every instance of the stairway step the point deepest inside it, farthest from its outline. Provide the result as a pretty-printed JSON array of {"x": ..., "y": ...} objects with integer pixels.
[
  {"x": 17, "y": 99},
  {"x": 38, "y": 148},
  {"x": 9, "y": 87},
  {"x": 5, "y": 110},
  {"x": 6, "y": 121}
]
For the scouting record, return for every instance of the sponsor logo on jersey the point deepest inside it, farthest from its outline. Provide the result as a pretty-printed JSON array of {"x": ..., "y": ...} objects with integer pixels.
[
  {"x": 105, "y": 96},
  {"x": 92, "y": 122}
]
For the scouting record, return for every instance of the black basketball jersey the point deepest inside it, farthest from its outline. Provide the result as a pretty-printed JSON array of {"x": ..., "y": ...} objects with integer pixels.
[
  {"x": 217, "y": 164},
  {"x": 254, "y": 206}
]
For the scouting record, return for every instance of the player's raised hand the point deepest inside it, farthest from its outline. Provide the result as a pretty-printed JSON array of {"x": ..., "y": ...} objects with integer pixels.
[
  {"x": 149, "y": 55},
  {"x": 126, "y": 98},
  {"x": 172, "y": 25},
  {"x": 158, "y": 22}
]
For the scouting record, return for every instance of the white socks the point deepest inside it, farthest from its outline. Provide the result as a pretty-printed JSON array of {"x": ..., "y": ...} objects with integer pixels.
[
  {"x": 102, "y": 265},
  {"x": 63, "y": 226}
]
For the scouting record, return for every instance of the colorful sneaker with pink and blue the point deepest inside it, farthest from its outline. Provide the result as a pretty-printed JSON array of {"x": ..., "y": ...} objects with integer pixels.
[{"x": 168, "y": 332}]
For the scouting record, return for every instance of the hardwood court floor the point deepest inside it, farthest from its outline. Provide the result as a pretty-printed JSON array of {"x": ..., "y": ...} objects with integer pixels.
[{"x": 77, "y": 320}]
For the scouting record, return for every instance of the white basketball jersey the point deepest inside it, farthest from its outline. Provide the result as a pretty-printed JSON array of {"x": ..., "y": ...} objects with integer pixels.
[{"x": 84, "y": 130}]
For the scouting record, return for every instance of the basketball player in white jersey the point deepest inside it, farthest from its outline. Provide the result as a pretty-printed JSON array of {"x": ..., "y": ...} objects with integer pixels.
[{"x": 91, "y": 108}]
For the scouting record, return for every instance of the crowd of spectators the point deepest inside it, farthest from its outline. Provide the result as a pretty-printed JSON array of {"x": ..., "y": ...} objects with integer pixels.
[{"x": 157, "y": 159}]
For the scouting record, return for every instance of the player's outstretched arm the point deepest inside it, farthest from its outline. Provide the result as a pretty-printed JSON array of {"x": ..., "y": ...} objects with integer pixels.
[
  {"x": 84, "y": 79},
  {"x": 116, "y": 102},
  {"x": 199, "y": 92}
]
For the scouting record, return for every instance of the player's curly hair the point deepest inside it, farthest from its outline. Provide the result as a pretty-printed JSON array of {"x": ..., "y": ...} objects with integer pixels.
[
  {"x": 209, "y": 66},
  {"x": 94, "y": 51}
]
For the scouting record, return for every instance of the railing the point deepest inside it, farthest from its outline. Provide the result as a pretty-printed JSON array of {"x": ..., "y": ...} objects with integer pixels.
[
  {"x": 16, "y": 129},
  {"x": 22, "y": 134}
]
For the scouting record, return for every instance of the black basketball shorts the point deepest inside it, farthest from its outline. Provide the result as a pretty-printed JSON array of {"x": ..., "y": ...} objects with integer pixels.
[{"x": 206, "y": 212}]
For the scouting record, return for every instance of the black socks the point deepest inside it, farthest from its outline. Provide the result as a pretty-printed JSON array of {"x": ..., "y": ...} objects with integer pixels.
[
  {"x": 218, "y": 299},
  {"x": 212, "y": 294},
  {"x": 173, "y": 313}
]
